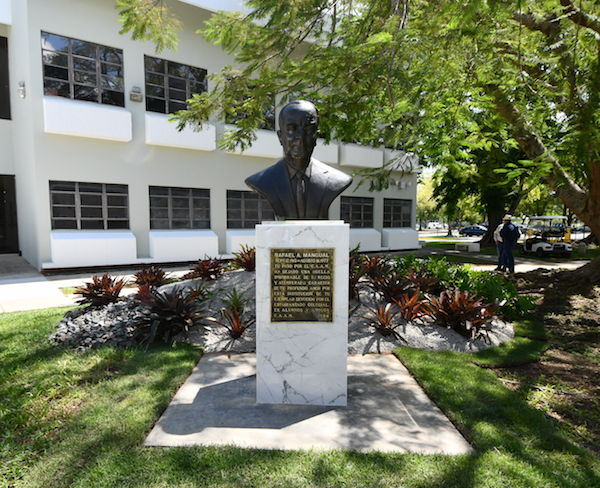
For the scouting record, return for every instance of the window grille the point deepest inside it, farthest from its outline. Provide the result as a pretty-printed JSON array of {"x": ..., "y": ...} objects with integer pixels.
[
  {"x": 245, "y": 209},
  {"x": 397, "y": 212},
  {"x": 179, "y": 208},
  {"x": 84, "y": 206},
  {"x": 170, "y": 84},
  {"x": 82, "y": 70},
  {"x": 4, "y": 81},
  {"x": 357, "y": 211}
]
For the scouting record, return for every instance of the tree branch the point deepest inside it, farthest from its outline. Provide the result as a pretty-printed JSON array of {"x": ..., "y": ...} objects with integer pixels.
[
  {"x": 580, "y": 17},
  {"x": 546, "y": 25}
]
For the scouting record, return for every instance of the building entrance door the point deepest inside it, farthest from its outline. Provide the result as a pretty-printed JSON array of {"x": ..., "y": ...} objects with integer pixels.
[{"x": 9, "y": 237}]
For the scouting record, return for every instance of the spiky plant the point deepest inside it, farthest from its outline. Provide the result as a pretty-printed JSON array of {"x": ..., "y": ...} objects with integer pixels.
[
  {"x": 382, "y": 319},
  {"x": 245, "y": 259},
  {"x": 234, "y": 314},
  {"x": 100, "y": 292},
  {"x": 207, "y": 269},
  {"x": 153, "y": 276},
  {"x": 412, "y": 307}
]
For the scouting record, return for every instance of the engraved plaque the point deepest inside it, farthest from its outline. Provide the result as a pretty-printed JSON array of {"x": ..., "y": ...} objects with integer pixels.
[{"x": 302, "y": 285}]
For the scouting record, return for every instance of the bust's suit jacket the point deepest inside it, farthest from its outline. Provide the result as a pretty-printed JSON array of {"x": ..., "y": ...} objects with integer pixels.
[{"x": 325, "y": 184}]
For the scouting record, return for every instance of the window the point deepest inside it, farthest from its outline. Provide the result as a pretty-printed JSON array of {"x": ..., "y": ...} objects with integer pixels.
[
  {"x": 89, "y": 205},
  {"x": 4, "y": 87},
  {"x": 82, "y": 70},
  {"x": 179, "y": 208},
  {"x": 245, "y": 209},
  {"x": 170, "y": 84},
  {"x": 396, "y": 212},
  {"x": 357, "y": 211}
]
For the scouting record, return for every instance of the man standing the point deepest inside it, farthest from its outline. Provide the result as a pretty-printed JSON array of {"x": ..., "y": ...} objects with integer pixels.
[
  {"x": 510, "y": 235},
  {"x": 500, "y": 248},
  {"x": 299, "y": 187}
]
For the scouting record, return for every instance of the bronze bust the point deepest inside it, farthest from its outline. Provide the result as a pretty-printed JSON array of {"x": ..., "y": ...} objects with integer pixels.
[{"x": 299, "y": 187}]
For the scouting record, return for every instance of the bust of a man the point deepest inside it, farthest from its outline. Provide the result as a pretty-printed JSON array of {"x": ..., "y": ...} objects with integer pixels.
[{"x": 299, "y": 187}]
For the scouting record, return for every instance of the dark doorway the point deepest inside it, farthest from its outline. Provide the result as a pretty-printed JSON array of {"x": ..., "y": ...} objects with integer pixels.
[{"x": 9, "y": 237}]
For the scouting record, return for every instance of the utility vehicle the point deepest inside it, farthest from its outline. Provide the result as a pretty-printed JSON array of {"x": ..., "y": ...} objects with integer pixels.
[{"x": 547, "y": 235}]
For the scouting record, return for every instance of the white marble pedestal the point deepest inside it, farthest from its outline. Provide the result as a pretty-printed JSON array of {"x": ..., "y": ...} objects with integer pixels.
[{"x": 302, "y": 362}]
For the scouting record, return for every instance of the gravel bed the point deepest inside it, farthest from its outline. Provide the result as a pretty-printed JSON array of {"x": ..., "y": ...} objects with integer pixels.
[{"x": 111, "y": 325}]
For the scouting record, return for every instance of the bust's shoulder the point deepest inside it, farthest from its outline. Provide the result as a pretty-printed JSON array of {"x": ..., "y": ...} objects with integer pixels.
[
  {"x": 335, "y": 177},
  {"x": 265, "y": 174}
]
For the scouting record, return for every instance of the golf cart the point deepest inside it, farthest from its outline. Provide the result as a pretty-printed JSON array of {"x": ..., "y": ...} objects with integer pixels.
[{"x": 547, "y": 235}]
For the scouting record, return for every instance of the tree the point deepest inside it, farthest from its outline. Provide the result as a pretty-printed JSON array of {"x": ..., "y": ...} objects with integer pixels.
[
  {"x": 427, "y": 207},
  {"x": 421, "y": 75}
]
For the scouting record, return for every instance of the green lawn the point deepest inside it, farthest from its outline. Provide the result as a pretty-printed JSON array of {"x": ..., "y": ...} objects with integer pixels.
[{"x": 74, "y": 419}]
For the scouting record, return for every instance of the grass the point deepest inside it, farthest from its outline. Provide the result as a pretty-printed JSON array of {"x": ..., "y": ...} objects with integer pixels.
[{"x": 71, "y": 419}]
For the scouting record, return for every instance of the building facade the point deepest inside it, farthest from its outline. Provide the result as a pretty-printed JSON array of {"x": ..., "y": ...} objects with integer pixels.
[{"x": 93, "y": 173}]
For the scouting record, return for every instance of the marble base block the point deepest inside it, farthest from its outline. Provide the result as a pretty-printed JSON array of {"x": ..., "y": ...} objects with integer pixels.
[{"x": 302, "y": 362}]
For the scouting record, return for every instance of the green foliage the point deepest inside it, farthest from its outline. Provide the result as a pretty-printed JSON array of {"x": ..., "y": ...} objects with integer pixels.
[
  {"x": 149, "y": 20},
  {"x": 245, "y": 259},
  {"x": 100, "y": 292},
  {"x": 168, "y": 314},
  {"x": 463, "y": 312},
  {"x": 234, "y": 319},
  {"x": 207, "y": 269}
]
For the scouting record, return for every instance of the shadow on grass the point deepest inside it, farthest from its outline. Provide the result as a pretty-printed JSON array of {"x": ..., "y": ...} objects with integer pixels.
[{"x": 500, "y": 421}]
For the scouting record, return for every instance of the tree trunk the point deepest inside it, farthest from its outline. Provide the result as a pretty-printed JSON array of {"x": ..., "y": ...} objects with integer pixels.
[{"x": 585, "y": 205}]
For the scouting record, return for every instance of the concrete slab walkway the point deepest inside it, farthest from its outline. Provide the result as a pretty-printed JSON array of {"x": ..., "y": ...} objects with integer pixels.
[
  {"x": 22, "y": 287},
  {"x": 387, "y": 411}
]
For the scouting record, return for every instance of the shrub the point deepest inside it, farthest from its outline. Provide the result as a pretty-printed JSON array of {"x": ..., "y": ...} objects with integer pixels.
[
  {"x": 206, "y": 269},
  {"x": 167, "y": 315},
  {"x": 233, "y": 314},
  {"x": 245, "y": 259},
  {"x": 100, "y": 292},
  {"x": 463, "y": 312},
  {"x": 382, "y": 319},
  {"x": 153, "y": 276},
  {"x": 401, "y": 264}
]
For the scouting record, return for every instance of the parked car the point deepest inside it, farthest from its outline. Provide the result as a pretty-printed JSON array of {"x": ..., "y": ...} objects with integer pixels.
[{"x": 473, "y": 230}]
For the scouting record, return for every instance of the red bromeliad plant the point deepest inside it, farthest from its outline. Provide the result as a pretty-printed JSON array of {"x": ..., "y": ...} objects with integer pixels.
[
  {"x": 382, "y": 319},
  {"x": 376, "y": 266},
  {"x": 392, "y": 285},
  {"x": 101, "y": 291},
  {"x": 412, "y": 307},
  {"x": 153, "y": 276},
  {"x": 168, "y": 314},
  {"x": 206, "y": 269},
  {"x": 422, "y": 281},
  {"x": 465, "y": 313},
  {"x": 245, "y": 259},
  {"x": 233, "y": 314}
]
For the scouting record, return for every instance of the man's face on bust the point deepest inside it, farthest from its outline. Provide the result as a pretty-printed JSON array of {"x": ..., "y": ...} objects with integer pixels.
[{"x": 298, "y": 131}]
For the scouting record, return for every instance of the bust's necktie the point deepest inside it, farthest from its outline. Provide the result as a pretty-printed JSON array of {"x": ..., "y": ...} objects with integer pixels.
[{"x": 300, "y": 190}]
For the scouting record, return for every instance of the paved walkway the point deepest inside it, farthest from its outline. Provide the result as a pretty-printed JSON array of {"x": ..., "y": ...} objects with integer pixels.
[{"x": 386, "y": 411}]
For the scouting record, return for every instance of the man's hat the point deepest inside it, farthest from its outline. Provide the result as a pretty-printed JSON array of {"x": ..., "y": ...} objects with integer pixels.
[{"x": 507, "y": 217}]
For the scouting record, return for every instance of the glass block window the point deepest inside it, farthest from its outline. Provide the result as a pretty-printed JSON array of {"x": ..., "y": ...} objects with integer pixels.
[
  {"x": 81, "y": 206},
  {"x": 396, "y": 212},
  {"x": 179, "y": 208},
  {"x": 357, "y": 211},
  {"x": 170, "y": 84},
  {"x": 245, "y": 209},
  {"x": 82, "y": 70}
]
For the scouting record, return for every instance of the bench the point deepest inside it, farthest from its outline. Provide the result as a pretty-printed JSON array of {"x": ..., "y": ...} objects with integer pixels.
[{"x": 467, "y": 246}]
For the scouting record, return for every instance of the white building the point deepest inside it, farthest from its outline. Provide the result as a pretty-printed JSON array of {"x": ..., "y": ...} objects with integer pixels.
[{"x": 93, "y": 173}]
